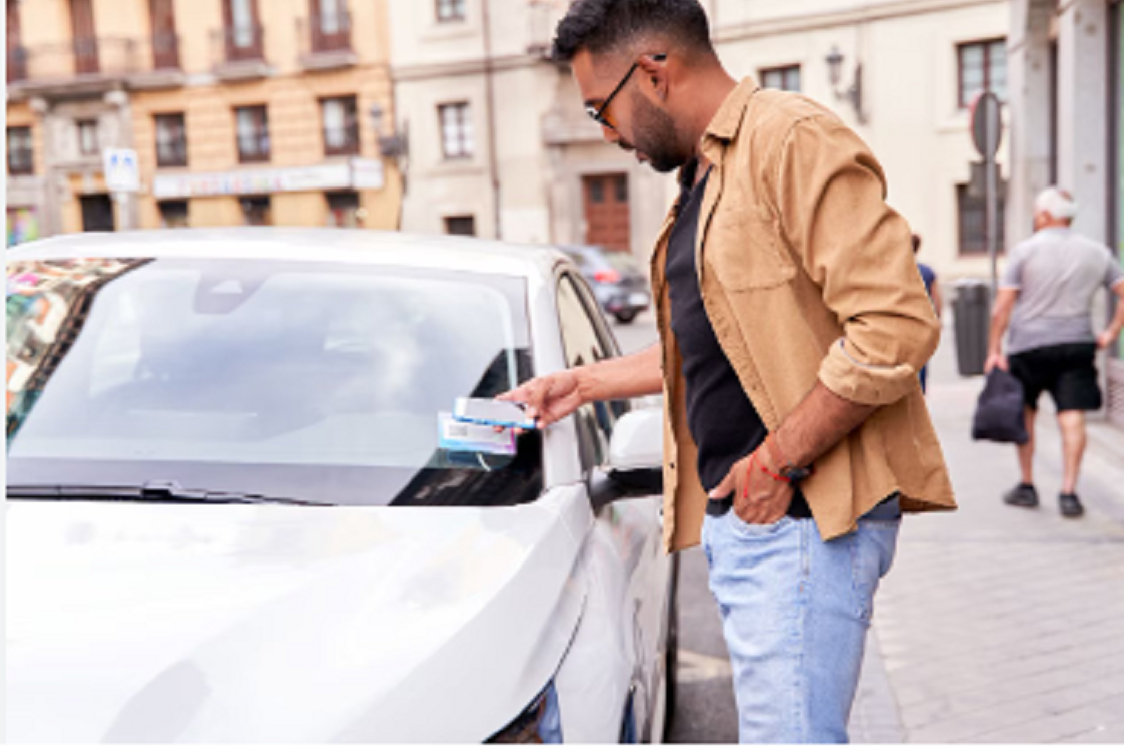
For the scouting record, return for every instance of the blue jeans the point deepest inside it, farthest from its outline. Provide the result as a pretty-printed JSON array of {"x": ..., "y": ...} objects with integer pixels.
[{"x": 795, "y": 611}]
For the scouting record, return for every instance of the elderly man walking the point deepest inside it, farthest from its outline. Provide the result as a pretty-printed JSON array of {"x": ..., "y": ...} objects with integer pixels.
[
  {"x": 793, "y": 324},
  {"x": 1046, "y": 298}
]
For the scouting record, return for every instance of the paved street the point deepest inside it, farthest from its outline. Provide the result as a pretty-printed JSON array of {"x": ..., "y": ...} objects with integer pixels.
[{"x": 996, "y": 624}]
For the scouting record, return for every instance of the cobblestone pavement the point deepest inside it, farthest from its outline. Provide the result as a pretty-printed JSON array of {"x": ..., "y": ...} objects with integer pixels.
[{"x": 1002, "y": 624}]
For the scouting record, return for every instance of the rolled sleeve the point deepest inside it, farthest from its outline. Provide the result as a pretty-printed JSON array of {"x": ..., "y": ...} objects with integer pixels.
[
  {"x": 831, "y": 197},
  {"x": 863, "y": 383}
]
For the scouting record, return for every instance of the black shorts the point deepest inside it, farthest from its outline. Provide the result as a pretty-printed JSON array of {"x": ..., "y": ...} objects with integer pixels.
[{"x": 1067, "y": 371}]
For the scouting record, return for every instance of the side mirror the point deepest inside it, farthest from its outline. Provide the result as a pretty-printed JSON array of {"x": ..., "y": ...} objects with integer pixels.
[{"x": 635, "y": 458}]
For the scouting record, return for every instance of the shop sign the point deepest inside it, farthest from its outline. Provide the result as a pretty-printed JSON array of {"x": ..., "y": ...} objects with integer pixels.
[
  {"x": 367, "y": 174},
  {"x": 253, "y": 181}
]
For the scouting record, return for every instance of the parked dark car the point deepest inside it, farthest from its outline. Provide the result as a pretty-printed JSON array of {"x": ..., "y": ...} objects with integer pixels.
[{"x": 617, "y": 278}]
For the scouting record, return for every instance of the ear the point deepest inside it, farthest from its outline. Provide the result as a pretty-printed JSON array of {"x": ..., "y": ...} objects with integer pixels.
[{"x": 653, "y": 68}]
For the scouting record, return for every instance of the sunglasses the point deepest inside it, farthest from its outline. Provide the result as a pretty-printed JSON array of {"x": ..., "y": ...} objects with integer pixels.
[{"x": 598, "y": 113}]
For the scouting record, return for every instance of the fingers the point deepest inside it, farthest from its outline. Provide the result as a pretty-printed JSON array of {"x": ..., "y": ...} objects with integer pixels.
[{"x": 726, "y": 486}]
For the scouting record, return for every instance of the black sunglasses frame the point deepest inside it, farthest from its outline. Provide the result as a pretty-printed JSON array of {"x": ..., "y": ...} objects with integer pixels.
[{"x": 598, "y": 113}]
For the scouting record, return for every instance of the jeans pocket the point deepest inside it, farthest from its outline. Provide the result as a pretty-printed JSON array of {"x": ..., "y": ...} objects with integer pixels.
[
  {"x": 755, "y": 530},
  {"x": 872, "y": 548}
]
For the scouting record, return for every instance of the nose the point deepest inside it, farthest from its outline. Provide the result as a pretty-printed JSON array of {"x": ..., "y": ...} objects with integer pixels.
[{"x": 610, "y": 134}]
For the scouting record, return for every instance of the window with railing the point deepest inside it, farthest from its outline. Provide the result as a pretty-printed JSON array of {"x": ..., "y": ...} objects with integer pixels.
[
  {"x": 450, "y": 10},
  {"x": 330, "y": 24},
  {"x": 243, "y": 34},
  {"x": 982, "y": 66},
  {"x": 171, "y": 140},
  {"x": 17, "y": 56},
  {"x": 252, "y": 125},
  {"x": 340, "y": 120},
  {"x": 165, "y": 43},
  {"x": 21, "y": 159},
  {"x": 456, "y": 130},
  {"x": 972, "y": 221}
]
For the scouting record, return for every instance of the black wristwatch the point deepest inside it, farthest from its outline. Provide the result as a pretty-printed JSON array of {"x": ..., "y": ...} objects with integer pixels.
[{"x": 795, "y": 474}]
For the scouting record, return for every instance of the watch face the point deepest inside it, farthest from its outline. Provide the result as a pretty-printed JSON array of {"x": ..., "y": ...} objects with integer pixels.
[{"x": 796, "y": 473}]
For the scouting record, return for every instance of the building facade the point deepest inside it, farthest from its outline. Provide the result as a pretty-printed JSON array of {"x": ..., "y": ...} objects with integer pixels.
[
  {"x": 1067, "y": 67},
  {"x": 499, "y": 145},
  {"x": 494, "y": 124},
  {"x": 240, "y": 111},
  {"x": 903, "y": 74}
]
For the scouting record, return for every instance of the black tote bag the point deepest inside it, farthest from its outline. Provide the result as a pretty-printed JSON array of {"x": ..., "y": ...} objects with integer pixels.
[{"x": 999, "y": 411}]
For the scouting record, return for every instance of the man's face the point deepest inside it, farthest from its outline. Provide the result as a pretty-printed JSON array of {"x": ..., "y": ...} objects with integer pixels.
[{"x": 633, "y": 119}]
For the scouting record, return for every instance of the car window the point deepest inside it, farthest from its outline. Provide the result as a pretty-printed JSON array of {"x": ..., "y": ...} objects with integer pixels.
[
  {"x": 309, "y": 380},
  {"x": 586, "y": 340}
]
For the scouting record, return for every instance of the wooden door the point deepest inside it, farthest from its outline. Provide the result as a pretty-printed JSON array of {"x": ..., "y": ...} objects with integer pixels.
[
  {"x": 165, "y": 45},
  {"x": 84, "y": 36},
  {"x": 605, "y": 198}
]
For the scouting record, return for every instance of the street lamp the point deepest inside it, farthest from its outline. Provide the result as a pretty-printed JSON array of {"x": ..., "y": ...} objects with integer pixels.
[
  {"x": 392, "y": 145},
  {"x": 854, "y": 93}
]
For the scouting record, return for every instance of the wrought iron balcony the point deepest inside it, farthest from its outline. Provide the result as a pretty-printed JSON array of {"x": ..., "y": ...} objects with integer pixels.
[
  {"x": 239, "y": 52},
  {"x": 93, "y": 63},
  {"x": 325, "y": 41}
]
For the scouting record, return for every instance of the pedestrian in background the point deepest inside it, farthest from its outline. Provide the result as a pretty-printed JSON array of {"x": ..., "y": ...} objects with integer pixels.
[
  {"x": 929, "y": 276},
  {"x": 790, "y": 313},
  {"x": 1045, "y": 298}
]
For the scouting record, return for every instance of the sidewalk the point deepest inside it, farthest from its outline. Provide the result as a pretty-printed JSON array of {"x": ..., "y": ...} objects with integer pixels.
[{"x": 1002, "y": 624}]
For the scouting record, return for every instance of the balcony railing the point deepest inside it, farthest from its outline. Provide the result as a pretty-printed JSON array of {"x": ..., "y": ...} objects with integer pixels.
[
  {"x": 341, "y": 141},
  {"x": 240, "y": 44},
  {"x": 165, "y": 51},
  {"x": 325, "y": 40},
  {"x": 82, "y": 61}
]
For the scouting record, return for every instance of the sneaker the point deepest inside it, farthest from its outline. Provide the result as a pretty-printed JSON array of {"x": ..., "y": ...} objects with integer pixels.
[
  {"x": 1071, "y": 505},
  {"x": 1023, "y": 495}
]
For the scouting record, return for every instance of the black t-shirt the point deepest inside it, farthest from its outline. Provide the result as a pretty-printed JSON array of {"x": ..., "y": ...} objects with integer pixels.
[{"x": 722, "y": 420}]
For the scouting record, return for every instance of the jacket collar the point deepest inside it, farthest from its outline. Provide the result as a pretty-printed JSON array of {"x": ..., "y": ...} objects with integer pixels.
[{"x": 726, "y": 123}]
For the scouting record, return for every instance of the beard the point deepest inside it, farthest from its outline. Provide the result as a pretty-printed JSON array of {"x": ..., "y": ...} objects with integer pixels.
[{"x": 656, "y": 136}]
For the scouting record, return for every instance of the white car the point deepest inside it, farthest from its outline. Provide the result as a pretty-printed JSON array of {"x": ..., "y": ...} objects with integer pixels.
[{"x": 231, "y": 519}]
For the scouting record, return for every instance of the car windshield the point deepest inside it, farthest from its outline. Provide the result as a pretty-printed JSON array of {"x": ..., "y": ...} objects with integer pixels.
[{"x": 318, "y": 381}]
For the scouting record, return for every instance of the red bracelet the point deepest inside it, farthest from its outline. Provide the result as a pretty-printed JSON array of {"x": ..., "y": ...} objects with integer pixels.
[
  {"x": 778, "y": 477},
  {"x": 749, "y": 474}
]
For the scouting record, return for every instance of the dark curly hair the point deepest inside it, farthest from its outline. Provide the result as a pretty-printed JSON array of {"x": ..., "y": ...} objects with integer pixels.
[{"x": 599, "y": 26}]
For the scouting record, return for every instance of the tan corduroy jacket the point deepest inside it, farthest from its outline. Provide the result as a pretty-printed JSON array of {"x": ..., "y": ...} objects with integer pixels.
[{"x": 806, "y": 273}]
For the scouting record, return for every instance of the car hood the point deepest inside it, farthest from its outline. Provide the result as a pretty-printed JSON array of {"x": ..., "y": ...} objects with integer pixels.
[{"x": 190, "y": 623}]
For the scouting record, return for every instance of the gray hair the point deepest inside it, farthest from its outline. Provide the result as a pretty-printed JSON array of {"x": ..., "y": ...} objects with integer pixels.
[{"x": 1057, "y": 202}]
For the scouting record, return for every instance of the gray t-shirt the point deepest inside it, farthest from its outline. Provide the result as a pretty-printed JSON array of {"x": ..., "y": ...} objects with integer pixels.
[{"x": 1056, "y": 271}]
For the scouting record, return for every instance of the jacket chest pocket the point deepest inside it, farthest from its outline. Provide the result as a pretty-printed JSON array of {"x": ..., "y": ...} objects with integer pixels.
[{"x": 743, "y": 249}]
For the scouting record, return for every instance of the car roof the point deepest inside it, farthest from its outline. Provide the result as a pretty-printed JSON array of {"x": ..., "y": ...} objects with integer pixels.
[{"x": 350, "y": 246}]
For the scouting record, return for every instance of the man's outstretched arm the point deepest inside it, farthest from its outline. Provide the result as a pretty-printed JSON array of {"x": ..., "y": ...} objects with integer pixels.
[{"x": 550, "y": 398}]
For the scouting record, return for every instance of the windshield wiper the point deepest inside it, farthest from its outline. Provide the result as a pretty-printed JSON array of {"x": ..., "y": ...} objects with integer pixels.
[{"x": 150, "y": 492}]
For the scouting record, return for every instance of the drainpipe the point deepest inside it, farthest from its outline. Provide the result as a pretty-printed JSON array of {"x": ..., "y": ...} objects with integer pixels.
[{"x": 489, "y": 93}]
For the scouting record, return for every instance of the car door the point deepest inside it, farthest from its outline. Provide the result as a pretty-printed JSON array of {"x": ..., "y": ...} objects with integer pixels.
[{"x": 626, "y": 540}]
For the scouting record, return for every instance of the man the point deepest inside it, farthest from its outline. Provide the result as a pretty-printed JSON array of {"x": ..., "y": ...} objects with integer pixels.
[
  {"x": 929, "y": 276},
  {"x": 1046, "y": 296},
  {"x": 793, "y": 324}
]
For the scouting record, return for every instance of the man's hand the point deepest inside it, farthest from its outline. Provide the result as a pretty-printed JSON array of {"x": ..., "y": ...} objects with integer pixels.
[
  {"x": 758, "y": 497},
  {"x": 549, "y": 398},
  {"x": 996, "y": 359},
  {"x": 1106, "y": 338}
]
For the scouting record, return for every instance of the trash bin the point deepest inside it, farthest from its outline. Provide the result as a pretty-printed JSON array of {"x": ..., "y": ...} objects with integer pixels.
[{"x": 972, "y": 313}]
